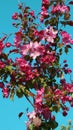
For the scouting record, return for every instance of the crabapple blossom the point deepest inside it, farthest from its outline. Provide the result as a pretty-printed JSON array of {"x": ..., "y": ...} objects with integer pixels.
[
  {"x": 35, "y": 69},
  {"x": 33, "y": 49},
  {"x": 31, "y": 115},
  {"x": 32, "y": 13},
  {"x": 18, "y": 38},
  {"x": 2, "y": 65},
  {"x": 50, "y": 34},
  {"x": 66, "y": 38},
  {"x": 45, "y": 2},
  {"x": 59, "y": 9},
  {"x": 1, "y": 46},
  {"x": 1, "y": 85},
  {"x": 8, "y": 44},
  {"x": 5, "y": 92},
  {"x": 15, "y": 16}
]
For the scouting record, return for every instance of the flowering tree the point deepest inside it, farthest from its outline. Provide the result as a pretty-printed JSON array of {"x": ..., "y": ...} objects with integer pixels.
[{"x": 37, "y": 72}]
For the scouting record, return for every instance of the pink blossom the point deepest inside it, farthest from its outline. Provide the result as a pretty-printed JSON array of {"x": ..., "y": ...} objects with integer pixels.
[
  {"x": 1, "y": 46},
  {"x": 39, "y": 107},
  {"x": 59, "y": 9},
  {"x": 22, "y": 64},
  {"x": 68, "y": 87},
  {"x": 28, "y": 123},
  {"x": 45, "y": 2},
  {"x": 5, "y": 92},
  {"x": 2, "y": 65},
  {"x": 66, "y": 38},
  {"x": 33, "y": 49},
  {"x": 50, "y": 34},
  {"x": 64, "y": 9},
  {"x": 64, "y": 61},
  {"x": 15, "y": 16},
  {"x": 25, "y": 49},
  {"x": 55, "y": 9},
  {"x": 46, "y": 113},
  {"x": 67, "y": 71},
  {"x": 41, "y": 91},
  {"x": 39, "y": 34},
  {"x": 63, "y": 99},
  {"x": 29, "y": 74},
  {"x": 25, "y": 68},
  {"x": 49, "y": 58},
  {"x": 1, "y": 85},
  {"x": 18, "y": 38},
  {"x": 58, "y": 92},
  {"x": 41, "y": 19},
  {"x": 62, "y": 81},
  {"x": 31, "y": 115},
  {"x": 8, "y": 44},
  {"x": 39, "y": 96},
  {"x": 32, "y": 13},
  {"x": 44, "y": 13},
  {"x": 38, "y": 100}
]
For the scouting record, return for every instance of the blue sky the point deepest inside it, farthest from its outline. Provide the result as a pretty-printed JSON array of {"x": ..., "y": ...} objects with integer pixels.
[{"x": 9, "y": 110}]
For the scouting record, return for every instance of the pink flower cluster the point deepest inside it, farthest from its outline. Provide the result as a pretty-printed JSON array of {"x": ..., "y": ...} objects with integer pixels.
[
  {"x": 33, "y": 119},
  {"x": 41, "y": 108},
  {"x": 66, "y": 38},
  {"x": 50, "y": 34},
  {"x": 5, "y": 90},
  {"x": 25, "y": 68},
  {"x": 18, "y": 38},
  {"x": 33, "y": 49},
  {"x": 2, "y": 65},
  {"x": 15, "y": 16},
  {"x": 37, "y": 66},
  {"x": 44, "y": 12},
  {"x": 48, "y": 58},
  {"x": 1, "y": 46},
  {"x": 45, "y": 2},
  {"x": 59, "y": 9}
]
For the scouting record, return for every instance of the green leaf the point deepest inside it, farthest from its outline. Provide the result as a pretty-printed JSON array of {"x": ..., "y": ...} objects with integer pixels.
[
  {"x": 53, "y": 21},
  {"x": 57, "y": 39},
  {"x": 53, "y": 124},
  {"x": 19, "y": 93},
  {"x": 60, "y": 51},
  {"x": 9, "y": 68},
  {"x": 46, "y": 22},
  {"x": 31, "y": 127},
  {"x": 66, "y": 50},
  {"x": 56, "y": 108}
]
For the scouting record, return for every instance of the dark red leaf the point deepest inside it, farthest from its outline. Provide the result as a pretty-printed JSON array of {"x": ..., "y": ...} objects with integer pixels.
[
  {"x": 14, "y": 51},
  {"x": 70, "y": 23},
  {"x": 20, "y": 114},
  {"x": 71, "y": 2}
]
